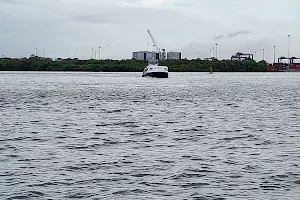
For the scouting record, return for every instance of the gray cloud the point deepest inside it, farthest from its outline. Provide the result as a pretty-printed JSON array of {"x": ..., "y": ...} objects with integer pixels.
[
  {"x": 182, "y": 5},
  {"x": 10, "y": 1},
  {"x": 95, "y": 19},
  {"x": 218, "y": 37},
  {"x": 230, "y": 35},
  {"x": 234, "y": 34}
]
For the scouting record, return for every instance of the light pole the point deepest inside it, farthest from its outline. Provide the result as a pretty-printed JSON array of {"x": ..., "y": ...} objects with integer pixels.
[
  {"x": 217, "y": 51},
  {"x": 255, "y": 55},
  {"x": 36, "y": 51},
  {"x": 213, "y": 54},
  {"x": 105, "y": 47},
  {"x": 92, "y": 54},
  {"x": 274, "y": 54},
  {"x": 263, "y": 54},
  {"x": 289, "y": 51},
  {"x": 99, "y": 53},
  {"x": 108, "y": 46},
  {"x": 210, "y": 53}
]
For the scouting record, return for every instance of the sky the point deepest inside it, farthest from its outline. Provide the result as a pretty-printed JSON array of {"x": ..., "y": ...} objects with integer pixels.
[{"x": 72, "y": 28}]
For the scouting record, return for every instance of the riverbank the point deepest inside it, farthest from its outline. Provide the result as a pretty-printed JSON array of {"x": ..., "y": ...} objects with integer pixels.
[{"x": 130, "y": 65}]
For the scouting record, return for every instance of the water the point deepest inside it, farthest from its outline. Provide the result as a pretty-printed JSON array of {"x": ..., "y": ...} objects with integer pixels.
[{"x": 121, "y": 136}]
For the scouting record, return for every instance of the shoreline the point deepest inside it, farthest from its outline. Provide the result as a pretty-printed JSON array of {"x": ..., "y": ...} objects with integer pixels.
[{"x": 130, "y": 65}]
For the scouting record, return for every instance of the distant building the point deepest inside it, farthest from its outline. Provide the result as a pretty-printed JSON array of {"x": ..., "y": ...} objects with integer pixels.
[
  {"x": 145, "y": 55},
  {"x": 174, "y": 55}
]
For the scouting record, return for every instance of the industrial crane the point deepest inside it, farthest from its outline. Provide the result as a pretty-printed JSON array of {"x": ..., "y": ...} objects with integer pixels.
[
  {"x": 241, "y": 56},
  {"x": 154, "y": 42},
  {"x": 162, "y": 55}
]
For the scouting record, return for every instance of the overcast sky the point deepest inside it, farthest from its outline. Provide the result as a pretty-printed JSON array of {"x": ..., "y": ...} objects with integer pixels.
[{"x": 72, "y": 28}]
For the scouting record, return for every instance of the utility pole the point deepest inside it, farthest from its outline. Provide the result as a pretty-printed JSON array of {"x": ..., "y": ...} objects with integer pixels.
[
  {"x": 263, "y": 54},
  {"x": 274, "y": 54},
  {"x": 255, "y": 55},
  {"x": 217, "y": 51},
  {"x": 99, "y": 53},
  {"x": 289, "y": 60},
  {"x": 36, "y": 51},
  {"x": 92, "y": 54}
]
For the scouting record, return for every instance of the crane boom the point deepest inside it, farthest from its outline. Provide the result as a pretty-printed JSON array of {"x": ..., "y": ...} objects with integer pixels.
[{"x": 154, "y": 42}]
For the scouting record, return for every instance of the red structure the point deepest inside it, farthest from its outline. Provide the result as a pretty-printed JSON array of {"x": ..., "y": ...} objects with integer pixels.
[{"x": 282, "y": 67}]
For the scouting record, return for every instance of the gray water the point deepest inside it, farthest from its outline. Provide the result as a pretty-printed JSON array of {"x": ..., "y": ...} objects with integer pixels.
[{"x": 121, "y": 136}]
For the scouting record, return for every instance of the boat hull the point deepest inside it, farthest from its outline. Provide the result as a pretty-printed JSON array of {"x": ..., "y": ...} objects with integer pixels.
[
  {"x": 156, "y": 74},
  {"x": 153, "y": 70}
]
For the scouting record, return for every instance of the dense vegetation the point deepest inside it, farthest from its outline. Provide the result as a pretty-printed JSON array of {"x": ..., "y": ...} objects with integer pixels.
[
  {"x": 197, "y": 65},
  {"x": 217, "y": 65}
]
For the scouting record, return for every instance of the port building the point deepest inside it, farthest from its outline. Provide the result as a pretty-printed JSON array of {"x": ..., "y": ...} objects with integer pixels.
[
  {"x": 149, "y": 55},
  {"x": 174, "y": 55},
  {"x": 145, "y": 55},
  {"x": 158, "y": 54}
]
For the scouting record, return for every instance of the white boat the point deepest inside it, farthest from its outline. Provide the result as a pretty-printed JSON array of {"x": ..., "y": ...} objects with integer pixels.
[{"x": 154, "y": 70}]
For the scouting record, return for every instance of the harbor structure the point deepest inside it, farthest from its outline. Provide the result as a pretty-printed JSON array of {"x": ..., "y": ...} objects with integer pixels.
[
  {"x": 145, "y": 55},
  {"x": 290, "y": 66},
  {"x": 174, "y": 55},
  {"x": 242, "y": 56}
]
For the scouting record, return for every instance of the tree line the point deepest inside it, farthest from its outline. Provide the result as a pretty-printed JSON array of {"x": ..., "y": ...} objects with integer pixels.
[{"x": 129, "y": 65}]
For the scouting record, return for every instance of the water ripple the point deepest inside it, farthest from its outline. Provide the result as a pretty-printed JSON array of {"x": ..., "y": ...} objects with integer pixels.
[{"x": 120, "y": 136}]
